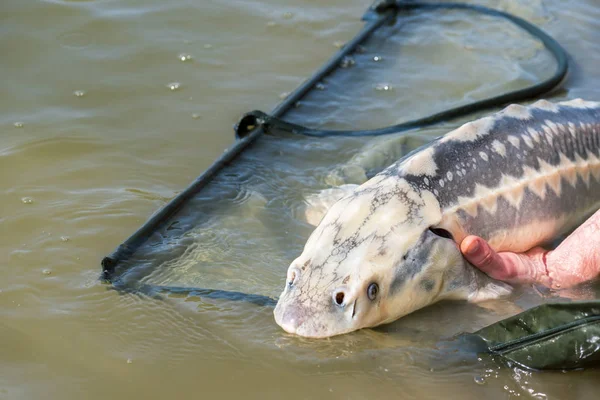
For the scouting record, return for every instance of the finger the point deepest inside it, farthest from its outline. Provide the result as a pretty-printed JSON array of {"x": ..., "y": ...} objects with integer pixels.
[
  {"x": 480, "y": 254},
  {"x": 506, "y": 266}
]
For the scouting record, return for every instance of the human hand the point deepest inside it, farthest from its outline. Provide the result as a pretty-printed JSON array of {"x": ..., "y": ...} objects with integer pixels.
[{"x": 574, "y": 261}]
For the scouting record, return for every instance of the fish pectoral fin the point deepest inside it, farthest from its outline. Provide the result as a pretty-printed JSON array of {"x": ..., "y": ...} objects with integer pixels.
[
  {"x": 490, "y": 291},
  {"x": 317, "y": 205}
]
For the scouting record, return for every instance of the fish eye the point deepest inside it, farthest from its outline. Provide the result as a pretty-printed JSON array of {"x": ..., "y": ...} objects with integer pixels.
[{"x": 372, "y": 291}]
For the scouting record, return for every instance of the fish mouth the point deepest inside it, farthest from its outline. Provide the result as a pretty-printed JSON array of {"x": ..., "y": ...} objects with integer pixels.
[{"x": 306, "y": 331}]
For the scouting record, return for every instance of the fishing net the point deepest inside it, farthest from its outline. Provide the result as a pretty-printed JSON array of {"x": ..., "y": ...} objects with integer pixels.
[{"x": 232, "y": 233}]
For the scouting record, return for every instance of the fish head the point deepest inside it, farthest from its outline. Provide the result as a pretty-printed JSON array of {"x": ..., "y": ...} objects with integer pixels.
[{"x": 371, "y": 260}]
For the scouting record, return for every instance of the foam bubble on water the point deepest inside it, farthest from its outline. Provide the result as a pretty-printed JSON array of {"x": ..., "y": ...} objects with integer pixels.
[
  {"x": 174, "y": 85},
  {"x": 18, "y": 124},
  {"x": 284, "y": 95},
  {"x": 129, "y": 361},
  {"x": 480, "y": 380},
  {"x": 64, "y": 238},
  {"x": 377, "y": 58},
  {"x": 271, "y": 23},
  {"x": 26, "y": 200},
  {"x": 339, "y": 44},
  {"x": 320, "y": 86},
  {"x": 347, "y": 62},
  {"x": 288, "y": 15},
  {"x": 184, "y": 57},
  {"x": 79, "y": 93},
  {"x": 47, "y": 271},
  {"x": 196, "y": 116},
  {"x": 208, "y": 46},
  {"x": 383, "y": 87}
]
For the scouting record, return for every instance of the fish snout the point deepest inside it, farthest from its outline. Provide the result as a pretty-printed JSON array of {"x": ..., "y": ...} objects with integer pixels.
[
  {"x": 291, "y": 318},
  {"x": 332, "y": 313}
]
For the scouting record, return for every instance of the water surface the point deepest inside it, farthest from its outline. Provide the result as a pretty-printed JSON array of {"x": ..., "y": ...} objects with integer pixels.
[{"x": 111, "y": 108}]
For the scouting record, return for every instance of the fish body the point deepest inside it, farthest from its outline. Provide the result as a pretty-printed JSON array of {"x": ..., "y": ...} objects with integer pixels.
[{"x": 517, "y": 178}]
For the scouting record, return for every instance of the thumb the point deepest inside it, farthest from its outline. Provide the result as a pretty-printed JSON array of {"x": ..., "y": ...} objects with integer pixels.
[{"x": 510, "y": 267}]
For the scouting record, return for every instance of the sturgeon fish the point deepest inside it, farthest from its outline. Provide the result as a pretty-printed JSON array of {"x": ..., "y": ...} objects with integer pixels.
[{"x": 518, "y": 178}]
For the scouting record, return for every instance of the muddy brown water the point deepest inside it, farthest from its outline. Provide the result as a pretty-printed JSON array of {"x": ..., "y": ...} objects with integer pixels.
[{"x": 111, "y": 108}]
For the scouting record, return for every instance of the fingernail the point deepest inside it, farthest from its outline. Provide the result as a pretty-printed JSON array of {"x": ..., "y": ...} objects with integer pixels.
[{"x": 472, "y": 249}]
